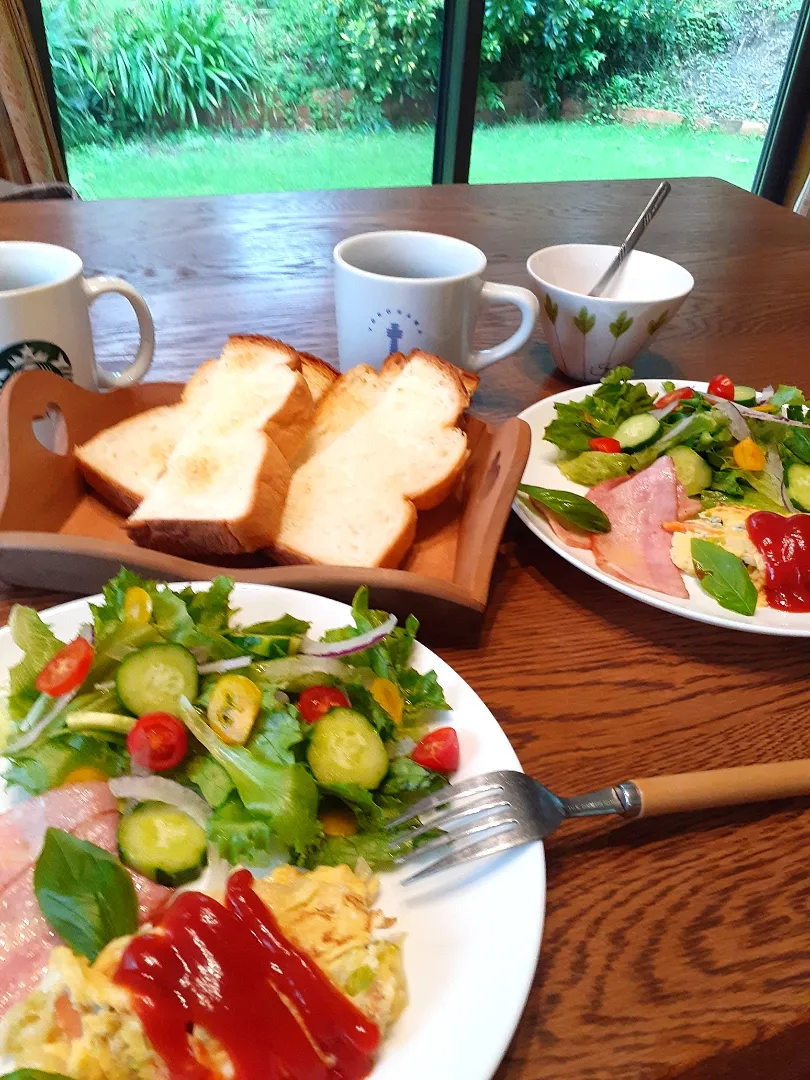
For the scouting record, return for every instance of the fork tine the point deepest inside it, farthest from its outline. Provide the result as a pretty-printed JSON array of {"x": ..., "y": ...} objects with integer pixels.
[
  {"x": 475, "y": 786},
  {"x": 500, "y": 817},
  {"x": 451, "y": 815},
  {"x": 489, "y": 845}
]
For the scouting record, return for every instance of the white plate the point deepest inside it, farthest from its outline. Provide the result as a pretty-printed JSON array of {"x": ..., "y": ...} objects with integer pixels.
[
  {"x": 473, "y": 935},
  {"x": 541, "y": 469}
]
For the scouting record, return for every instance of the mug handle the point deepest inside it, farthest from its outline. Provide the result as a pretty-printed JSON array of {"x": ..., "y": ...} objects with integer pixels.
[
  {"x": 529, "y": 305},
  {"x": 95, "y": 287}
]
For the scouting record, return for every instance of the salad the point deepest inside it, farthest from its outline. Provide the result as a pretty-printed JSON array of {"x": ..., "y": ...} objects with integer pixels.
[
  {"x": 723, "y": 473},
  {"x": 251, "y": 744}
]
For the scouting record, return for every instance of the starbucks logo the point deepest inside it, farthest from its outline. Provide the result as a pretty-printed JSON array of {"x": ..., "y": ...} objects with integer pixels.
[{"x": 33, "y": 356}]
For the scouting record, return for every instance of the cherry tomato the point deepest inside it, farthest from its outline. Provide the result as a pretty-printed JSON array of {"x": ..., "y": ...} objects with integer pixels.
[
  {"x": 722, "y": 386},
  {"x": 438, "y": 750},
  {"x": 316, "y": 701},
  {"x": 67, "y": 670},
  {"x": 683, "y": 394},
  {"x": 605, "y": 445},
  {"x": 158, "y": 741}
]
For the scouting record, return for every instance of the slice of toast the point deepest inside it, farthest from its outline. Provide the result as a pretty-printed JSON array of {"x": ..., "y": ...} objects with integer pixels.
[
  {"x": 354, "y": 501},
  {"x": 221, "y": 495},
  {"x": 124, "y": 462},
  {"x": 318, "y": 375}
]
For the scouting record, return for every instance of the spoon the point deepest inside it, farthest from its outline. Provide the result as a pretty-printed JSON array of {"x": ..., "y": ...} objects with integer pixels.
[{"x": 633, "y": 237}]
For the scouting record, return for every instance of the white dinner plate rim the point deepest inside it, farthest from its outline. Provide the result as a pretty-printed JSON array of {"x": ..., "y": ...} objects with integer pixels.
[
  {"x": 684, "y": 608},
  {"x": 531, "y": 859}
]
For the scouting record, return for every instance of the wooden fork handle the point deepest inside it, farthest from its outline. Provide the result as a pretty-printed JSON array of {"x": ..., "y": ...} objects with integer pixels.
[{"x": 722, "y": 787}]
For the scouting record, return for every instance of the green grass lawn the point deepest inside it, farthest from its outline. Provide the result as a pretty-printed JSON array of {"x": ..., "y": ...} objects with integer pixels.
[{"x": 287, "y": 161}]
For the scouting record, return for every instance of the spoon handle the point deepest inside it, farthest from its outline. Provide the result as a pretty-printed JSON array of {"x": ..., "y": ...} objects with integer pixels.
[{"x": 633, "y": 237}]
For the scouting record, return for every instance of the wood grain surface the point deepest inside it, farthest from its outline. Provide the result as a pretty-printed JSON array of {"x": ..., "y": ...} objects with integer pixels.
[{"x": 674, "y": 948}]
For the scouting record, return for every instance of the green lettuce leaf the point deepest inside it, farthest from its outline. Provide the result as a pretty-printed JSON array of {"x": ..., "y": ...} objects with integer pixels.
[
  {"x": 38, "y": 644},
  {"x": 591, "y": 467},
  {"x": 209, "y": 778},
  {"x": 242, "y": 837},
  {"x": 276, "y": 732},
  {"x": 286, "y": 796},
  {"x": 337, "y": 850},
  {"x": 600, "y": 413},
  {"x": 48, "y": 762},
  {"x": 405, "y": 778},
  {"x": 370, "y": 815},
  {"x": 193, "y": 619},
  {"x": 787, "y": 395},
  {"x": 421, "y": 693}
]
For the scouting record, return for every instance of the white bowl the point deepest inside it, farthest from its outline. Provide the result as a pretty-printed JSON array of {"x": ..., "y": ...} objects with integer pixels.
[{"x": 590, "y": 335}]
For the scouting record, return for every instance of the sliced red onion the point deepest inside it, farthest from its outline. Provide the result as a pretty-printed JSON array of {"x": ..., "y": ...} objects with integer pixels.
[
  {"x": 290, "y": 667},
  {"x": 743, "y": 410},
  {"x": 401, "y": 748},
  {"x": 349, "y": 645},
  {"x": 161, "y": 789},
  {"x": 786, "y": 500},
  {"x": 31, "y": 736},
  {"x": 659, "y": 414},
  {"x": 233, "y": 663},
  {"x": 214, "y": 878},
  {"x": 35, "y": 712},
  {"x": 733, "y": 413},
  {"x": 773, "y": 465},
  {"x": 108, "y": 685},
  {"x": 282, "y": 698}
]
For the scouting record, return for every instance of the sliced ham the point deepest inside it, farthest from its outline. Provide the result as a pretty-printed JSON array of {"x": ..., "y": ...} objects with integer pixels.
[
  {"x": 637, "y": 549},
  {"x": 89, "y": 812},
  {"x": 569, "y": 534},
  {"x": 687, "y": 507}
]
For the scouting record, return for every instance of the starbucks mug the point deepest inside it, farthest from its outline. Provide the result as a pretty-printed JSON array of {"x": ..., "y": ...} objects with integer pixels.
[{"x": 45, "y": 316}]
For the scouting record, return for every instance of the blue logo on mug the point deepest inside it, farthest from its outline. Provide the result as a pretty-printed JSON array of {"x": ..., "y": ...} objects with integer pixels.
[{"x": 389, "y": 320}]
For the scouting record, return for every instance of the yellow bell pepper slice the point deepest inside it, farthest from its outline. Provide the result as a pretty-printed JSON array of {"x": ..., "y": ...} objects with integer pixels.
[
  {"x": 338, "y": 821},
  {"x": 747, "y": 455},
  {"x": 389, "y": 698},
  {"x": 233, "y": 708},
  {"x": 137, "y": 606}
]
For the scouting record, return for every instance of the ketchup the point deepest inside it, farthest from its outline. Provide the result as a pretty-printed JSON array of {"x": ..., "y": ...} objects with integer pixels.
[
  {"x": 222, "y": 967},
  {"x": 784, "y": 543}
]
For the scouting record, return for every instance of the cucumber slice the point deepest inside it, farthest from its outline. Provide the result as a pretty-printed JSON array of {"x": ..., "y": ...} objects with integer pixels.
[
  {"x": 162, "y": 843},
  {"x": 798, "y": 486},
  {"x": 85, "y": 720},
  {"x": 346, "y": 749},
  {"x": 637, "y": 432},
  {"x": 154, "y": 678},
  {"x": 690, "y": 468},
  {"x": 745, "y": 395}
]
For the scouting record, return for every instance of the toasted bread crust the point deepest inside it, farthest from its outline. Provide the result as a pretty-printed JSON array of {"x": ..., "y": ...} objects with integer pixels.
[{"x": 114, "y": 493}]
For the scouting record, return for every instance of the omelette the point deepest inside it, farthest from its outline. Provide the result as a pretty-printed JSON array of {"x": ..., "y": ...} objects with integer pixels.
[
  {"x": 82, "y": 1024},
  {"x": 723, "y": 525}
]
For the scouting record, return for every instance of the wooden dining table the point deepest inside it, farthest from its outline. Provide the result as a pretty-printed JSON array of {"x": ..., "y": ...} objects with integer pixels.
[{"x": 673, "y": 948}]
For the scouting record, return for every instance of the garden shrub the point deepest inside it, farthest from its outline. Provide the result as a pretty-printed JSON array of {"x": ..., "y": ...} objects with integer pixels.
[
  {"x": 165, "y": 65},
  {"x": 155, "y": 66}
]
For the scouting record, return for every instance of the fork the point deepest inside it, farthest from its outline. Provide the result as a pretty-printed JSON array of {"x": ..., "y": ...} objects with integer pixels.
[{"x": 502, "y": 810}]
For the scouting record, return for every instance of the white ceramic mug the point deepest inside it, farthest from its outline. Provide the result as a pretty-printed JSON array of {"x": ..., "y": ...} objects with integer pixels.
[
  {"x": 590, "y": 335},
  {"x": 399, "y": 290},
  {"x": 45, "y": 316}
]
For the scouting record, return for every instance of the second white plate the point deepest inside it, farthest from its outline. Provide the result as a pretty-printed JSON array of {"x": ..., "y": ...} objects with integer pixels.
[{"x": 542, "y": 470}]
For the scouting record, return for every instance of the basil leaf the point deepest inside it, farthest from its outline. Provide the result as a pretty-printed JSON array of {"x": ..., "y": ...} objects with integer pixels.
[
  {"x": 33, "y": 1074},
  {"x": 575, "y": 509},
  {"x": 85, "y": 893},
  {"x": 724, "y": 577}
]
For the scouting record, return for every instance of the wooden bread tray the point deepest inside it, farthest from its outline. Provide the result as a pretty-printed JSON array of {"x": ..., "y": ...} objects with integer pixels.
[{"x": 56, "y": 535}]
